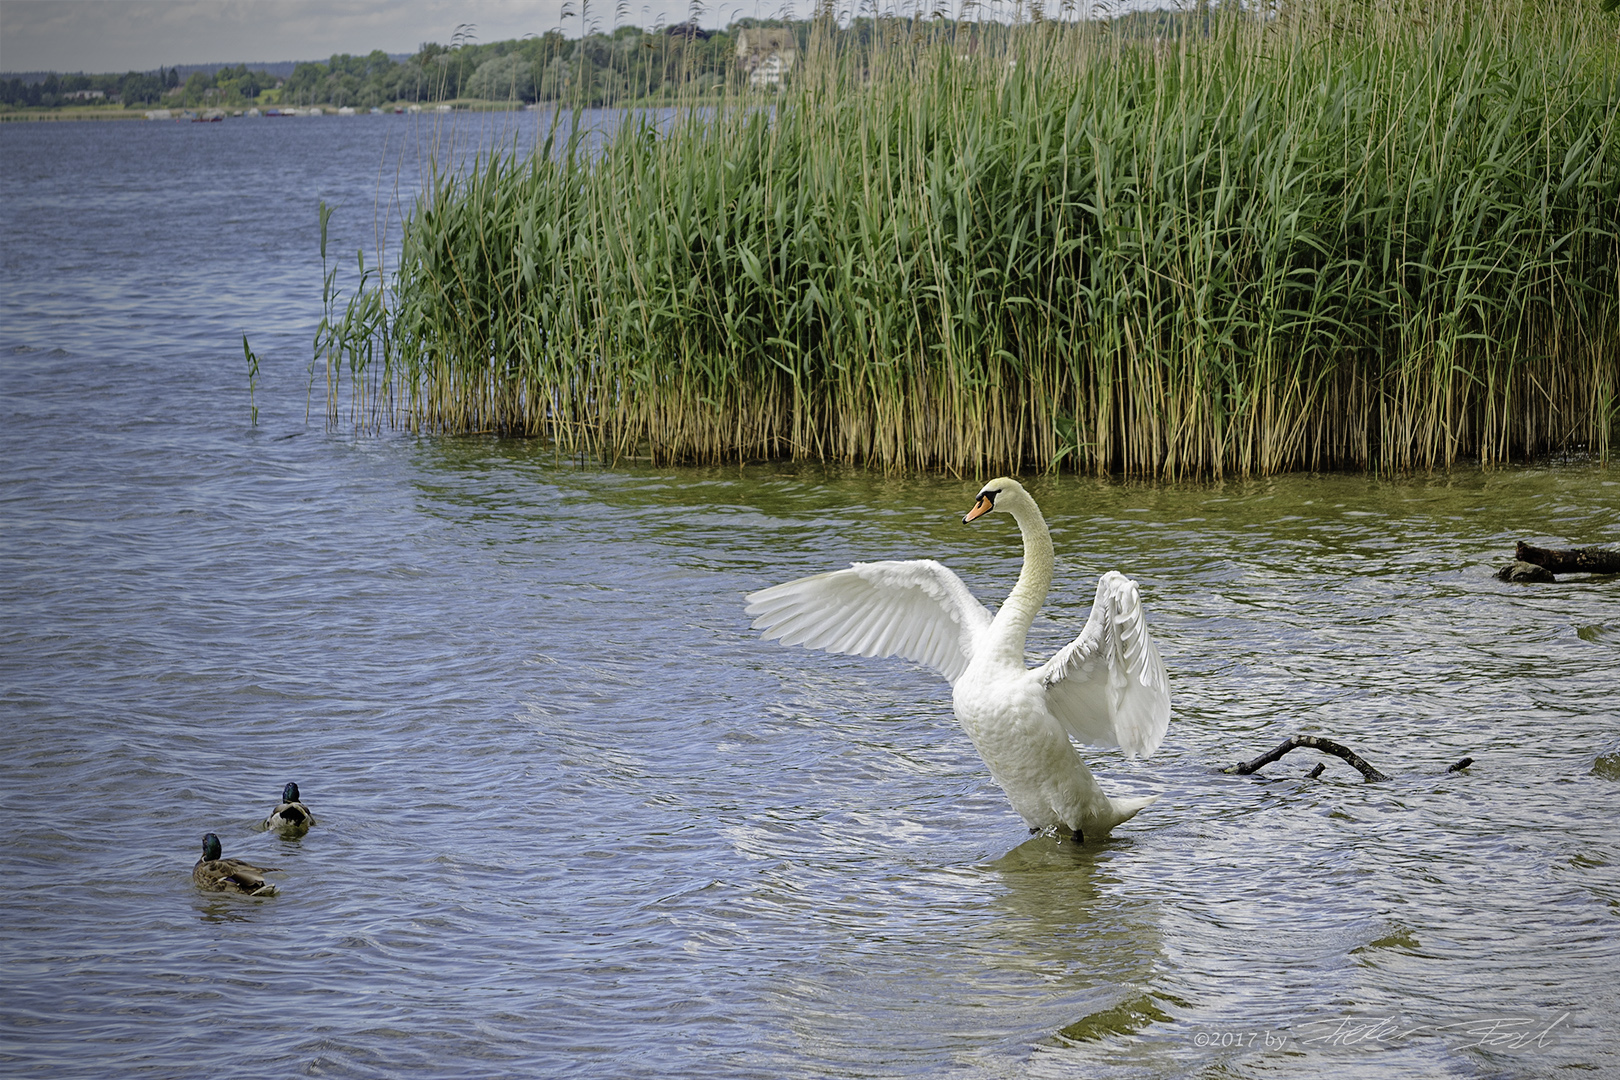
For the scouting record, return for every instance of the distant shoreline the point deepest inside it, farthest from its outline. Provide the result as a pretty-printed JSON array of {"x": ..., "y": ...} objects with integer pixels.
[
  {"x": 32, "y": 115},
  {"x": 278, "y": 68},
  {"x": 70, "y": 113}
]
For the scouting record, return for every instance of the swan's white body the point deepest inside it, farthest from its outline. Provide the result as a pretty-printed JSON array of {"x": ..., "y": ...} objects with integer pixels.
[{"x": 1107, "y": 687}]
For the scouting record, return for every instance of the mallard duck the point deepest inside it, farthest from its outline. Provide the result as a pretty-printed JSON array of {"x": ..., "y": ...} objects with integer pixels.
[
  {"x": 1107, "y": 687},
  {"x": 290, "y": 814},
  {"x": 229, "y": 875}
]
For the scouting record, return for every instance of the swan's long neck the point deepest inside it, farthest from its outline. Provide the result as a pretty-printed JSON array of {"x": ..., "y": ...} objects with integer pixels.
[{"x": 1012, "y": 622}]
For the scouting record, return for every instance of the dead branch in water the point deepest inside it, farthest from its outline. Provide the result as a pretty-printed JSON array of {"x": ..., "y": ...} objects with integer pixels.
[
  {"x": 1531, "y": 563},
  {"x": 1315, "y": 742},
  {"x": 1584, "y": 560},
  {"x": 1327, "y": 746}
]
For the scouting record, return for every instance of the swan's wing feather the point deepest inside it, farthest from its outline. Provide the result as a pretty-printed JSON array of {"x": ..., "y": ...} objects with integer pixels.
[
  {"x": 1107, "y": 687},
  {"x": 916, "y": 608}
]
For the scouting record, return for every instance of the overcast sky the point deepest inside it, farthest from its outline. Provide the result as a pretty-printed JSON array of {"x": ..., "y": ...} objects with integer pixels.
[{"x": 96, "y": 36}]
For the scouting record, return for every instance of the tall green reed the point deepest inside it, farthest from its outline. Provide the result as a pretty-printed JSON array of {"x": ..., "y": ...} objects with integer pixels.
[{"x": 1352, "y": 236}]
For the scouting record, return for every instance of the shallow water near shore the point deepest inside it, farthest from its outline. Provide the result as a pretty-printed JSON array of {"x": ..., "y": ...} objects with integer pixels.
[{"x": 576, "y": 819}]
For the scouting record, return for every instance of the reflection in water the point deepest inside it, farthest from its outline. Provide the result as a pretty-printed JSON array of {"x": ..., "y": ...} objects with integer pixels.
[
  {"x": 1079, "y": 925},
  {"x": 970, "y": 963},
  {"x": 225, "y": 907}
]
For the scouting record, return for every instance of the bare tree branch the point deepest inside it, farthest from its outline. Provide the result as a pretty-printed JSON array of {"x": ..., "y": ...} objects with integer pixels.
[{"x": 1315, "y": 742}]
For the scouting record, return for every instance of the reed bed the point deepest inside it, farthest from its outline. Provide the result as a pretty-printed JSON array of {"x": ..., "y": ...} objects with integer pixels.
[{"x": 1373, "y": 236}]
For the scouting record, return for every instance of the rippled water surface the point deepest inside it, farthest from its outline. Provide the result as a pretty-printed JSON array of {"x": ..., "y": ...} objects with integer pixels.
[{"x": 576, "y": 820}]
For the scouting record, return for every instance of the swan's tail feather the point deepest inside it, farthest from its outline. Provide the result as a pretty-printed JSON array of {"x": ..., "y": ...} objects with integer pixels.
[{"x": 1125, "y": 809}]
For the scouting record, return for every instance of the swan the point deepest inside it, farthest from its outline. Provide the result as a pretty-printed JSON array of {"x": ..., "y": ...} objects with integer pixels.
[
  {"x": 215, "y": 872},
  {"x": 290, "y": 815},
  {"x": 1107, "y": 687}
]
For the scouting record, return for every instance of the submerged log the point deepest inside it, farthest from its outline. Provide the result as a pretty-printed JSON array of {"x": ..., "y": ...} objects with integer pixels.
[
  {"x": 1584, "y": 560},
  {"x": 1519, "y": 570},
  {"x": 1315, "y": 742}
]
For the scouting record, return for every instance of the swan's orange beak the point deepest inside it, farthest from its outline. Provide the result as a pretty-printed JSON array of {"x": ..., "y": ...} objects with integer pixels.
[{"x": 981, "y": 506}]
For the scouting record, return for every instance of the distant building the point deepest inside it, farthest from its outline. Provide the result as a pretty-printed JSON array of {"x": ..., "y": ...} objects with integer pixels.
[
  {"x": 766, "y": 53},
  {"x": 85, "y": 95},
  {"x": 768, "y": 72}
]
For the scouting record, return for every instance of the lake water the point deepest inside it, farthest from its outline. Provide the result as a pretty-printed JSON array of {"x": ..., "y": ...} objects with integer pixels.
[{"x": 577, "y": 820}]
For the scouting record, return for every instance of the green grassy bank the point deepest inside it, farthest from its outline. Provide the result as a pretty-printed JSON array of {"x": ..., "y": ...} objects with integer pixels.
[{"x": 1351, "y": 237}]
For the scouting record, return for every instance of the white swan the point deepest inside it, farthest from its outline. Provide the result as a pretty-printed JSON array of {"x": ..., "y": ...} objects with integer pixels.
[{"x": 1107, "y": 687}]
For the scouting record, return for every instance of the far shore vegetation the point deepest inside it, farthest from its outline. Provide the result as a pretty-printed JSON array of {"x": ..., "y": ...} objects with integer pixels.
[
  {"x": 1371, "y": 235},
  {"x": 599, "y": 68}
]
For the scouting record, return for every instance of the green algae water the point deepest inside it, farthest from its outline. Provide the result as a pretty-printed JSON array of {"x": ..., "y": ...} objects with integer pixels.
[{"x": 577, "y": 820}]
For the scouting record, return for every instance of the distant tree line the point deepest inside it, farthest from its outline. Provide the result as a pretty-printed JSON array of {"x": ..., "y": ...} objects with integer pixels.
[
  {"x": 134, "y": 88},
  {"x": 626, "y": 65}
]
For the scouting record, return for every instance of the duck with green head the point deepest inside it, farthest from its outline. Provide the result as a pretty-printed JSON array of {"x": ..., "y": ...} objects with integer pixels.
[
  {"x": 290, "y": 815},
  {"x": 219, "y": 874}
]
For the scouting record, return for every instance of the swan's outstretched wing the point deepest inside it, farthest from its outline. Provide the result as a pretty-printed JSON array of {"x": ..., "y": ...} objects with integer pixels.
[
  {"x": 1107, "y": 686},
  {"x": 917, "y": 609}
]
